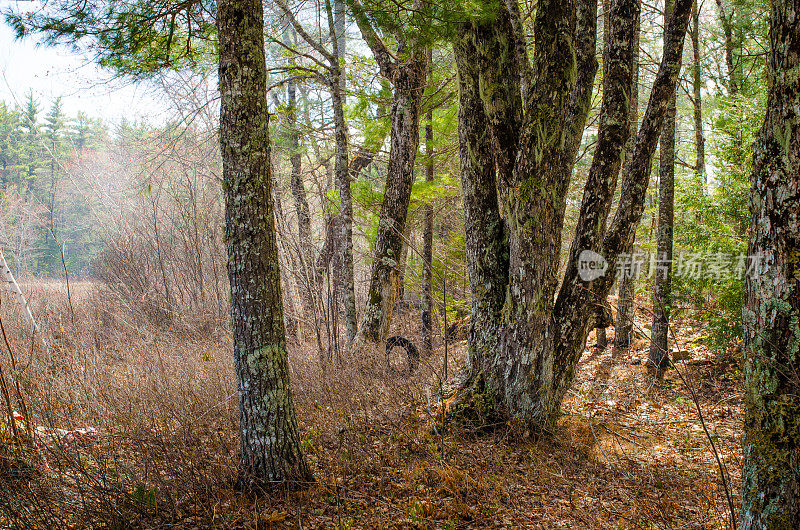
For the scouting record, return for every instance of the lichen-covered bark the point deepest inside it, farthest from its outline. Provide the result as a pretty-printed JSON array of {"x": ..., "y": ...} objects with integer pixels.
[
  {"x": 658, "y": 357},
  {"x": 622, "y": 232},
  {"x": 486, "y": 249},
  {"x": 771, "y": 315},
  {"x": 576, "y": 302},
  {"x": 523, "y": 358},
  {"x": 408, "y": 76},
  {"x": 580, "y": 99},
  {"x": 270, "y": 443}
]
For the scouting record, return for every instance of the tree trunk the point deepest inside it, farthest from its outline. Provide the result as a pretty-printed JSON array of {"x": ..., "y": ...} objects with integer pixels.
[
  {"x": 297, "y": 186},
  {"x": 427, "y": 245},
  {"x": 626, "y": 298},
  {"x": 726, "y": 21},
  {"x": 399, "y": 302},
  {"x": 270, "y": 443},
  {"x": 484, "y": 234},
  {"x": 658, "y": 358},
  {"x": 626, "y": 302},
  {"x": 524, "y": 347},
  {"x": 342, "y": 172},
  {"x": 771, "y": 444},
  {"x": 697, "y": 99},
  {"x": 409, "y": 83}
]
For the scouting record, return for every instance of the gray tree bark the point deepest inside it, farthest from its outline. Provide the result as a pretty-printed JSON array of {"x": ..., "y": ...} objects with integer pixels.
[
  {"x": 726, "y": 20},
  {"x": 339, "y": 240},
  {"x": 626, "y": 297},
  {"x": 270, "y": 443},
  {"x": 408, "y": 77},
  {"x": 697, "y": 99},
  {"x": 658, "y": 358},
  {"x": 524, "y": 345},
  {"x": 771, "y": 443},
  {"x": 427, "y": 245},
  {"x": 298, "y": 188}
]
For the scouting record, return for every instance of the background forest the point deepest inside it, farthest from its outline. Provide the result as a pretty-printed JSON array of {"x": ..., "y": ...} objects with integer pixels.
[{"x": 116, "y": 234}]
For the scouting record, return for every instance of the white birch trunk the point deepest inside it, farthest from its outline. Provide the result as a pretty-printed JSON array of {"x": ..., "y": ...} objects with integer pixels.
[{"x": 14, "y": 286}]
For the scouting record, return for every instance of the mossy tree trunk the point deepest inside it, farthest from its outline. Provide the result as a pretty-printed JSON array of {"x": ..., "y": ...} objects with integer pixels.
[
  {"x": 524, "y": 341},
  {"x": 771, "y": 315},
  {"x": 270, "y": 443}
]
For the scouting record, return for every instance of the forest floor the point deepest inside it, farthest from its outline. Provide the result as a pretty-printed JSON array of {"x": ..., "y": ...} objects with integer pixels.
[{"x": 628, "y": 452}]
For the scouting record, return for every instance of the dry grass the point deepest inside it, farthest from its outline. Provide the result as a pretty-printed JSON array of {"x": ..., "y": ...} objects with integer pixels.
[{"x": 628, "y": 453}]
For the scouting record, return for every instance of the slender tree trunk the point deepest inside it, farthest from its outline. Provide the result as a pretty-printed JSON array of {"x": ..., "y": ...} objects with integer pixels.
[
  {"x": 726, "y": 20},
  {"x": 427, "y": 245},
  {"x": 697, "y": 99},
  {"x": 409, "y": 83},
  {"x": 299, "y": 194},
  {"x": 771, "y": 443},
  {"x": 626, "y": 302},
  {"x": 658, "y": 358},
  {"x": 626, "y": 297},
  {"x": 401, "y": 272},
  {"x": 345, "y": 239},
  {"x": 270, "y": 442}
]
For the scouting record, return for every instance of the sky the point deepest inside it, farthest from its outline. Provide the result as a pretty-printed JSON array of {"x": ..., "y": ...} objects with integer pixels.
[{"x": 57, "y": 71}]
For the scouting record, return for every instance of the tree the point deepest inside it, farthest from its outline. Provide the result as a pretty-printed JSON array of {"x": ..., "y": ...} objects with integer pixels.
[
  {"x": 427, "y": 245},
  {"x": 9, "y": 145},
  {"x": 525, "y": 341},
  {"x": 53, "y": 135},
  {"x": 407, "y": 71},
  {"x": 658, "y": 358},
  {"x": 771, "y": 443},
  {"x": 335, "y": 79},
  {"x": 142, "y": 39},
  {"x": 697, "y": 99},
  {"x": 31, "y": 146},
  {"x": 270, "y": 442}
]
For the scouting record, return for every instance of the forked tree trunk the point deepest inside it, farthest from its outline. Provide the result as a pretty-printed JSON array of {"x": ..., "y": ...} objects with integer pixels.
[
  {"x": 658, "y": 358},
  {"x": 270, "y": 443},
  {"x": 524, "y": 343},
  {"x": 771, "y": 444}
]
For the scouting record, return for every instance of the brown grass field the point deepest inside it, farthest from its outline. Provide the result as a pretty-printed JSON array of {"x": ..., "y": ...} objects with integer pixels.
[{"x": 629, "y": 452}]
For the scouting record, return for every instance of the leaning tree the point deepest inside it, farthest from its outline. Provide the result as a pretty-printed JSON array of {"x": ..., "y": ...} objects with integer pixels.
[
  {"x": 771, "y": 315},
  {"x": 519, "y": 123}
]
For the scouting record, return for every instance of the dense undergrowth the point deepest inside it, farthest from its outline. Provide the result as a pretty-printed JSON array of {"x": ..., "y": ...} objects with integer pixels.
[{"x": 628, "y": 452}]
